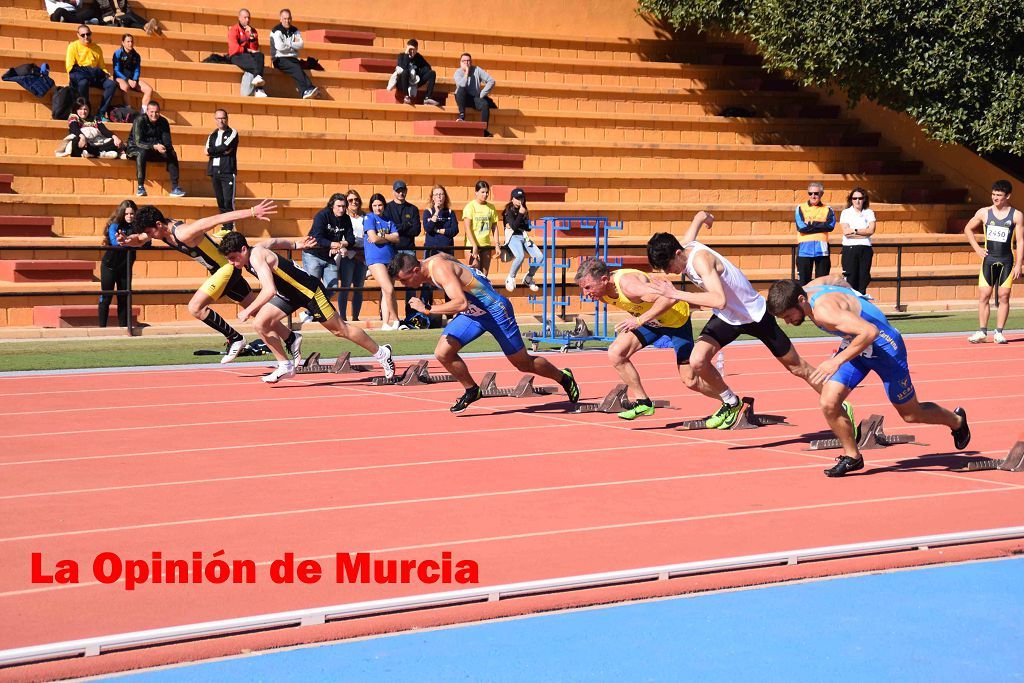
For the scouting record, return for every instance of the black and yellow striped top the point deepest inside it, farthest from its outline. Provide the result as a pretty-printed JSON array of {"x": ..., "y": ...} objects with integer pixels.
[
  {"x": 292, "y": 283},
  {"x": 205, "y": 253}
]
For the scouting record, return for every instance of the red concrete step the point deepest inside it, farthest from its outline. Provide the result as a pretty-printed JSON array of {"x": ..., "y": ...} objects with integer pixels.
[
  {"x": 534, "y": 193},
  {"x": 934, "y": 195},
  {"x": 487, "y": 160},
  {"x": 376, "y": 65},
  {"x": 79, "y": 315},
  {"x": 449, "y": 127},
  {"x": 890, "y": 167},
  {"x": 395, "y": 97},
  {"x": 46, "y": 271},
  {"x": 26, "y": 226},
  {"x": 853, "y": 139},
  {"x": 332, "y": 35},
  {"x": 818, "y": 111},
  {"x": 767, "y": 83},
  {"x": 5, "y": 182}
]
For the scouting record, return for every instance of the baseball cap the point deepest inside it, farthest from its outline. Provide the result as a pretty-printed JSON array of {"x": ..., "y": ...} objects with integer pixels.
[
  {"x": 399, "y": 185},
  {"x": 519, "y": 194}
]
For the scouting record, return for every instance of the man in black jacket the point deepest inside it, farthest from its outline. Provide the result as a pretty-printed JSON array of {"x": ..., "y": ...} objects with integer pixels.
[
  {"x": 414, "y": 71},
  {"x": 406, "y": 218},
  {"x": 151, "y": 139},
  {"x": 222, "y": 148}
]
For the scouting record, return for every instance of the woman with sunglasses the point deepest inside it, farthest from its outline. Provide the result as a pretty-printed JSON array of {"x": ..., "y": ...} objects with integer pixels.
[
  {"x": 857, "y": 222},
  {"x": 380, "y": 236},
  {"x": 351, "y": 261},
  {"x": 441, "y": 225}
]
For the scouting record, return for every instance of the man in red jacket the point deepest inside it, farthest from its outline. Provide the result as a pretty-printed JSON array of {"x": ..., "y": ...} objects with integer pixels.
[{"x": 244, "y": 51}]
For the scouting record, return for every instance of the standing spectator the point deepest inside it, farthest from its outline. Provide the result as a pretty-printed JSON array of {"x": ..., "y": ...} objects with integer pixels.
[
  {"x": 244, "y": 52},
  {"x": 84, "y": 62},
  {"x": 480, "y": 218},
  {"x": 71, "y": 11},
  {"x": 222, "y": 148},
  {"x": 857, "y": 222},
  {"x": 516, "y": 218},
  {"x": 406, "y": 217},
  {"x": 380, "y": 236},
  {"x": 332, "y": 231},
  {"x": 814, "y": 220},
  {"x": 127, "y": 69},
  {"x": 412, "y": 72},
  {"x": 352, "y": 262},
  {"x": 472, "y": 85},
  {"x": 117, "y": 262},
  {"x": 441, "y": 225},
  {"x": 285, "y": 43},
  {"x": 151, "y": 139},
  {"x": 88, "y": 137}
]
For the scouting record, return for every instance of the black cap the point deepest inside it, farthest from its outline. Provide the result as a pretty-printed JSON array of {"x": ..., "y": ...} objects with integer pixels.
[
  {"x": 399, "y": 185},
  {"x": 519, "y": 194}
]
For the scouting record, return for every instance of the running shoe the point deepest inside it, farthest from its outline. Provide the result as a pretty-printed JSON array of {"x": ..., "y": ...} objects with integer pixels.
[
  {"x": 468, "y": 397},
  {"x": 510, "y": 284},
  {"x": 725, "y": 416},
  {"x": 531, "y": 285},
  {"x": 295, "y": 348},
  {"x": 635, "y": 410},
  {"x": 430, "y": 101},
  {"x": 312, "y": 92},
  {"x": 568, "y": 382},
  {"x": 305, "y": 317},
  {"x": 845, "y": 464},
  {"x": 260, "y": 92},
  {"x": 177, "y": 192},
  {"x": 848, "y": 407},
  {"x": 140, "y": 192},
  {"x": 978, "y": 337},
  {"x": 284, "y": 371},
  {"x": 257, "y": 80},
  {"x": 962, "y": 434},
  {"x": 233, "y": 349},
  {"x": 998, "y": 338},
  {"x": 387, "y": 362}
]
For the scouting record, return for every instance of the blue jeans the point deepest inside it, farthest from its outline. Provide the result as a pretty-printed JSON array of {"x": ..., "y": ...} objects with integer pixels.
[
  {"x": 520, "y": 249},
  {"x": 352, "y": 273}
]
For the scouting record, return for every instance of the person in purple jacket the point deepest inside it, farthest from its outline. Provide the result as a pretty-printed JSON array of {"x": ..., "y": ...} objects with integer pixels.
[{"x": 441, "y": 225}]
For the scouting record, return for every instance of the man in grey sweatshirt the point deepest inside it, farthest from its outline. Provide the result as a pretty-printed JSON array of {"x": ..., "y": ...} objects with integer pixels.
[
  {"x": 472, "y": 85},
  {"x": 285, "y": 43}
]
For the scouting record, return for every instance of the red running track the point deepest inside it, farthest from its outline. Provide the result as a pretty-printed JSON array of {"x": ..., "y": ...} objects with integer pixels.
[{"x": 211, "y": 459}]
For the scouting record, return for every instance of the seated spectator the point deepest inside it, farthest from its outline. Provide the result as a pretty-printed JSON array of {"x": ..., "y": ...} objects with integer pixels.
[
  {"x": 84, "y": 62},
  {"x": 285, "y": 43},
  {"x": 441, "y": 225},
  {"x": 332, "y": 231},
  {"x": 127, "y": 68},
  {"x": 379, "y": 239},
  {"x": 517, "y": 237},
  {"x": 151, "y": 139},
  {"x": 472, "y": 85},
  {"x": 412, "y": 72},
  {"x": 71, "y": 11},
  {"x": 88, "y": 137},
  {"x": 352, "y": 262},
  {"x": 244, "y": 52},
  {"x": 117, "y": 262},
  {"x": 118, "y": 13},
  {"x": 480, "y": 219}
]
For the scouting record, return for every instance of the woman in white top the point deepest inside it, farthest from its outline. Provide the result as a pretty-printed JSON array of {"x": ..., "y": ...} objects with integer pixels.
[
  {"x": 351, "y": 264},
  {"x": 858, "y": 225}
]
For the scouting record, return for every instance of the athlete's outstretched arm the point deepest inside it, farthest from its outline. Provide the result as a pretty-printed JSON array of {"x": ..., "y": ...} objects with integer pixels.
[
  {"x": 700, "y": 219},
  {"x": 714, "y": 294},
  {"x": 259, "y": 259},
  {"x": 262, "y": 211},
  {"x": 285, "y": 243},
  {"x": 446, "y": 278}
]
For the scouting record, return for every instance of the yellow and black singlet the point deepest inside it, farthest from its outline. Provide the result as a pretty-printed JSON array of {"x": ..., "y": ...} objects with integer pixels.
[
  {"x": 205, "y": 253},
  {"x": 677, "y": 316}
]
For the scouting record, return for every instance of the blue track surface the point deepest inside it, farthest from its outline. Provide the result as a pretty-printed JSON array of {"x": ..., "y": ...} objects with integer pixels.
[{"x": 959, "y": 623}]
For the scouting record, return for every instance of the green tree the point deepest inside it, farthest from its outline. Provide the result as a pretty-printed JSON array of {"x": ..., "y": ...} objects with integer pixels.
[{"x": 956, "y": 66}]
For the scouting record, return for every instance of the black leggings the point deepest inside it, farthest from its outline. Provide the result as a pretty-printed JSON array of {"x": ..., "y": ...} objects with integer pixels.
[
  {"x": 821, "y": 265},
  {"x": 114, "y": 275},
  {"x": 291, "y": 66},
  {"x": 857, "y": 266}
]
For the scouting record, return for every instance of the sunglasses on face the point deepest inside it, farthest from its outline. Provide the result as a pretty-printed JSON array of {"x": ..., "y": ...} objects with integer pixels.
[
  {"x": 85, "y": 35},
  {"x": 353, "y": 200},
  {"x": 814, "y": 194},
  {"x": 857, "y": 199}
]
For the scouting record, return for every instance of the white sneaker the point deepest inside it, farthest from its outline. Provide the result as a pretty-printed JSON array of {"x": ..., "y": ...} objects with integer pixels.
[
  {"x": 296, "y": 348},
  {"x": 978, "y": 337},
  {"x": 306, "y": 317},
  {"x": 998, "y": 338},
  {"x": 430, "y": 101},
  {"x": 312, "y": 92},
  {"x": 260, "y": 93},
  {"x": 284, "y": 371},
  {"x": 510, "y": 284},
  {"x": 387, "y": 362},
  {"x": 234, "y": 348},
  {"x": 257, "y": 80},
  {"x": 529, "y": 283}
]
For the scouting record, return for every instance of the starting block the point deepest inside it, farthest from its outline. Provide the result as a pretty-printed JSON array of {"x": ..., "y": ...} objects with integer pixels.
[
  {"x": 614, "y": 402},
  {"x": 1013, "y": 462},
  {"x": 872, "y": 437},
  {"x": 489, "y": 388},
  {"x": 747, "y": 419},
  {"x": 417, "y": 373},
  {"x": 312, "y": 366}
]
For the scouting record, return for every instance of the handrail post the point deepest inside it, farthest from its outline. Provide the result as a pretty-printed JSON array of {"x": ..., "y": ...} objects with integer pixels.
[{"x": 792, "y": 262}]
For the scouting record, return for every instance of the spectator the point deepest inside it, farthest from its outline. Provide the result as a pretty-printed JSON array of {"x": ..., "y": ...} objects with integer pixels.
[
  {"x": 117, "y": 262},
  {"x": 222, "y": 148},
  {"x": 119, "y": 13},
  {"x": 472, "y": 85},
  {"x": 151, "y": 139},
  {"x": 127, "y": 68},
  {"x": 71, "y": 11},
  {"x": 480, "y": 218},
  {"x": 352, "y": 262},
  {"x": 814, "y": 220},
  {"x": 88, "y": 137},
  {"x": 380, "y": 236},
  {"x": 84, "y": 62},
  {"x": 332, "y": 231},
  {"x": 441, "y": 225},
  {"x": 412, "y": 72},
  {"x": 858, "y": 225},
  {"x": 244, "y": 52},
  {"x": 516, "y": 218},
  {"x": 285, "y": 43},
  {"x": 406, "y": 217}
]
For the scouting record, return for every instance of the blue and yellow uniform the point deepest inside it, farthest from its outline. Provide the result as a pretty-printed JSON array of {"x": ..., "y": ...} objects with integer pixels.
[
  {"x": 297, "y": 289},
  {"x": 887, "y": 355},
  {"x": 674, "y": 324},
  {"x": 224, "y": 277},
  {"x": 488, "y": 311}
]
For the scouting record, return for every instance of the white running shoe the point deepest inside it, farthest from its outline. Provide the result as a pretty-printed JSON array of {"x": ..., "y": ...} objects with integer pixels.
[
  {"x": 510, "y": 284},
  {"x": 295, "y": 348},
  {"x": 978, "y": 337},
  {"x": 257, "y": 80},
  {"x": 306, "y": 317},
  {"x": 260, "y": 92},
  {"x": 387, "y": 362},
  {"x": 998, "y": 338},
  {"x": 284, "y": 371},
  {"x": 234, "y": 348},
  {"x": 312, "y": 92},
  {"x": 533, "y": 286}
]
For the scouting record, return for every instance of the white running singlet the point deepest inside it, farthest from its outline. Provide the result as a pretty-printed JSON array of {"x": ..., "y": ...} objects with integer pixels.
[{"x": 743, "y": 304}]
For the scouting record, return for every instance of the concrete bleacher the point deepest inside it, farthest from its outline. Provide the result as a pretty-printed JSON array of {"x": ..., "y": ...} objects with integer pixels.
[{"x": 590, "y": 125}]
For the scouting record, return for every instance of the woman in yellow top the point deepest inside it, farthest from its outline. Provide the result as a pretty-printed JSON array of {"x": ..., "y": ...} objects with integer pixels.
[
  {"x": 652, "y": 316},
  {"x": 480, "y": 220}
]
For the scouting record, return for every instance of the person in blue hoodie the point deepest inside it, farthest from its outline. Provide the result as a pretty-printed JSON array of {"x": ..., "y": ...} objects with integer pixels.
[{"x": 127, "y": 69}]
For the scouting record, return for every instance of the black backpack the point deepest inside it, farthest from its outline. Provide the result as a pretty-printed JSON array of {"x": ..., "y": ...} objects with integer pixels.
[
  {"x": 63, "y": 100},
  {"x": 122, "y": 114}
]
